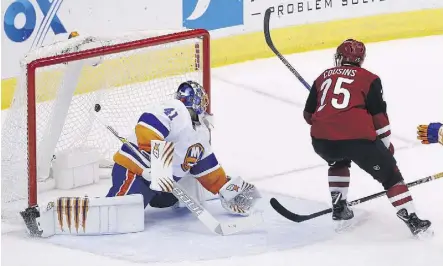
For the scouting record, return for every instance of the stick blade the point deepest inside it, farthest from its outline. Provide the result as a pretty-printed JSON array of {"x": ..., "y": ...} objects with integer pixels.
[{"x": 285, "y": 212}]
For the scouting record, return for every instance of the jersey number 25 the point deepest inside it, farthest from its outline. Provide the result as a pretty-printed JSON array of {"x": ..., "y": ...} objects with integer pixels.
[{"x": 338, "y": 90}]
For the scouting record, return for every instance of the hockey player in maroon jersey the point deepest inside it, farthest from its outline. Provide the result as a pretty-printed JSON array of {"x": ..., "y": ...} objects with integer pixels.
[{"x": 349, "y": 123}]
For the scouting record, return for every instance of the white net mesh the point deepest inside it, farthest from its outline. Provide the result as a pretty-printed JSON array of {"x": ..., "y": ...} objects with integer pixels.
[{"x": 122, "y": 83}]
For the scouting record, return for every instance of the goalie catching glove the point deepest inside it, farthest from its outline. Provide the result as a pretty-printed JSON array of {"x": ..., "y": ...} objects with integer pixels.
[
  {"x": 432, "y": 133},
  {"x": 238, "y": 196}
]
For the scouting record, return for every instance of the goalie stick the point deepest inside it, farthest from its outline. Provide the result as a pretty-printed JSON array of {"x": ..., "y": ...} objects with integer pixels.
[
  {"x": 301, "y": 218},
  {"x": 276, "y": 52},
  {"x": 193, "y": 205}
]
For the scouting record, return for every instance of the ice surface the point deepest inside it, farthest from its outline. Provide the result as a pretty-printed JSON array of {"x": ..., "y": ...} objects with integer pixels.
[
  {"x": 260, "y": 134},
  {"x": 168, "y": 228}
]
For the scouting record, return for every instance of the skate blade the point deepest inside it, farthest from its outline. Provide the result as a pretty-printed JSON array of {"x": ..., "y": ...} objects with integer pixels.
[
  {"x": 423, "y": 235},
  {"x": 344, "y": 225}
]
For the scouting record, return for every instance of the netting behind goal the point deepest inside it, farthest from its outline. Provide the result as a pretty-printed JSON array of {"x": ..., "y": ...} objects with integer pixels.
[{"x": 52, "y": 108}]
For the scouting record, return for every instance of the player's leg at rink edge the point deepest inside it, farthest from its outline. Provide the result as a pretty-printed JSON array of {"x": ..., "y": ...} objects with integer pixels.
[{"x": 125, "y": 182}]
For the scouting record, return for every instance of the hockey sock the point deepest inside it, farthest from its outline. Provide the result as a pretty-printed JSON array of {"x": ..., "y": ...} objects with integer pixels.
[
  {"x": 401, "y": 198},
  {"x": 339, "y": 178}
]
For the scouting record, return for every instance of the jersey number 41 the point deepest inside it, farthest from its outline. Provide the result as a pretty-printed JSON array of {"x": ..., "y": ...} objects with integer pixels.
[{"x": 171, "y": 113}]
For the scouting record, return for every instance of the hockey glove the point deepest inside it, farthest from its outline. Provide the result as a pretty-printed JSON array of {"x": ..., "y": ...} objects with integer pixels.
[
  {"x": 238, "y": 196},
  {"x": 431, "y": 133}
]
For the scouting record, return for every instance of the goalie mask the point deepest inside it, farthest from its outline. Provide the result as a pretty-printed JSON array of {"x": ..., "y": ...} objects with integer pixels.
[{"x": 193, "y": 96}]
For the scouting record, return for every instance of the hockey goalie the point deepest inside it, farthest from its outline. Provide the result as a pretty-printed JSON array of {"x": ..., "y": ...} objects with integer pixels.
[
  {"x": 183, "y": 122},
  {"x": 173, "y": 138}
]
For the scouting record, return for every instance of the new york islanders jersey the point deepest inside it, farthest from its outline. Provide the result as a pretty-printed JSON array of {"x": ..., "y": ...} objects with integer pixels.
[{"x": 170, "y": 121}]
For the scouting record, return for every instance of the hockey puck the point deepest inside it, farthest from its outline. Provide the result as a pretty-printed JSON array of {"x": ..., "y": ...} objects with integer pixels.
[{"x": 97, "y": 107}]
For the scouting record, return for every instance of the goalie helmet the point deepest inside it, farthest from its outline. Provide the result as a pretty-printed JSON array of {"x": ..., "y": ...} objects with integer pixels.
[
  {"x": 193, "y": 96},
  {"x": 350, "y": 52}
]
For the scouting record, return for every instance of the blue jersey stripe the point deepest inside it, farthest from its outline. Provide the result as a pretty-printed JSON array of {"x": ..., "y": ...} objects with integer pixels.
[
  {"x": 133, "y": 154},
  {"x": 204, "y": 165},
  {"x": 153, "y": 121}
]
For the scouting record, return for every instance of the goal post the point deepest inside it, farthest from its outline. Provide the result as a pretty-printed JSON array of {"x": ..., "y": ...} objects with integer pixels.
[{"x": 61, "y": 83}]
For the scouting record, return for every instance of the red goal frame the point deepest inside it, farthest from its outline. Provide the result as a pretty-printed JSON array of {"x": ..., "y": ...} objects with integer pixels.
[{"x": 69, "y": 57}]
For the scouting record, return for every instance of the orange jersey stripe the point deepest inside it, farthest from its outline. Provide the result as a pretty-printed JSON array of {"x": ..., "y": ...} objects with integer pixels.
[
  {"x": 124, "y": 188},
  {"x": 214, "y": 180},
  {"x": 144, "y": 137},
  {"x": 127, "y": 163}
]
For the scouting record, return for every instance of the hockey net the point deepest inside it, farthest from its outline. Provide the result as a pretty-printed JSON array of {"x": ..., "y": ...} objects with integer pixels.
[{"x": 53, "y": 104}]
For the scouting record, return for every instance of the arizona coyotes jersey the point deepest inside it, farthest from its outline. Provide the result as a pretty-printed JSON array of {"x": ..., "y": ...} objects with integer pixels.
[
  {"x": 171, "y": 121},
  {"x": 347, "y": 103}
]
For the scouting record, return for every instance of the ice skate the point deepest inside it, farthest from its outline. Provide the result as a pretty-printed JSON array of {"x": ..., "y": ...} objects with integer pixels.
[
  {"x": 340, "y": 209},
  {"x": 341, "y": 213},
  {"x": 417, "y": 226}
]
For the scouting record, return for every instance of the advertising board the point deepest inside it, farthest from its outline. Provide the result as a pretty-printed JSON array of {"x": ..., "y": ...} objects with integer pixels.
[{"x": 235, "y": 25}]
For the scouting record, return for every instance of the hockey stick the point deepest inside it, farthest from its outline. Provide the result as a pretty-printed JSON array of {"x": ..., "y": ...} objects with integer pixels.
[
  {"x": 193, "y": 205},
  {"x": 276, "y": 52},
  {"x": 301, "y": 218},
  {"x": 274, "y": 202}
]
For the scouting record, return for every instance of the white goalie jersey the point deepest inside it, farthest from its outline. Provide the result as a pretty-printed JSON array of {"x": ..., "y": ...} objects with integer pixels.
[{"x": 171, "y": 122}]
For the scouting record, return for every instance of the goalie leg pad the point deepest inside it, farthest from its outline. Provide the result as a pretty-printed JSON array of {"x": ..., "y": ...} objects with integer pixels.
[
  {"x": 124, "y": 182},
  {"x": 87, "y": 216}
]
